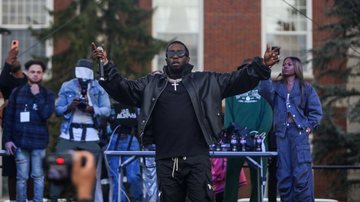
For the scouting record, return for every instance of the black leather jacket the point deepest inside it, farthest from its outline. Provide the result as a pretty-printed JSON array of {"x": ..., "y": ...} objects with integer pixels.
[{"x": 206, "y": 90}]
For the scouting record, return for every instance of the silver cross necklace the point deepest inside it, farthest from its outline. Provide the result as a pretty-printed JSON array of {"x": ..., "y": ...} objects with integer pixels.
[{"x": 174, "y": 82}]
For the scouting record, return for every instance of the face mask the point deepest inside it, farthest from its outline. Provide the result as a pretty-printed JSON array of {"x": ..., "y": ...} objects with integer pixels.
[{"x": 84, "y": 73}]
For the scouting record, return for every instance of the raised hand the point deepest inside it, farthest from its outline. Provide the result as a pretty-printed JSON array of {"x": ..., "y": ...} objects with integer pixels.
[
  {"x": 89, "y": 109},
  {"x": 12, "y": 55},
  {"x": 35, "y": 89},
  {"x": 73, "y": 104},
  {"x": 271, "y": 57},
  {"x": 98, "y": 53}
]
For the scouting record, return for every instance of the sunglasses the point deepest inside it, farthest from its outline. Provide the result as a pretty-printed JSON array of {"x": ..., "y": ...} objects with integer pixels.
[{"x": 178, "y": 53}]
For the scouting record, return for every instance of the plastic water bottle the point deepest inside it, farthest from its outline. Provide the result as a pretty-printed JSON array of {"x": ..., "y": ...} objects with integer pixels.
[
  {"x": 242, "y": 143},
  {"x": 234, "y": 143}
]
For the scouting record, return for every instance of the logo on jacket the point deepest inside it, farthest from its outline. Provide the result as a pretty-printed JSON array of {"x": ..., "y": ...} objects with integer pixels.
[
  {"x": 35, "y": 107},
  {"x": 125, "y": 114},
  {"x": 251, "y": 96}
]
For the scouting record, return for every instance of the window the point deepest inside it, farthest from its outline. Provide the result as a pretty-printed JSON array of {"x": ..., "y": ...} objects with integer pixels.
[
  {"x": 18, "y": 16},
  {"x": 179, "y": 20},
  {"x": 283, "y": 25}
]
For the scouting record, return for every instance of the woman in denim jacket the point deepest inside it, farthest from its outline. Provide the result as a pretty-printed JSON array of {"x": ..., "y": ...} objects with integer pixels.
[{"x": 297, "y": 112}]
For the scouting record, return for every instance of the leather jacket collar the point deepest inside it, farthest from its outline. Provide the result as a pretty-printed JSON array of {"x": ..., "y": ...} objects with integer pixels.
[{"x": 187, "y": 69}]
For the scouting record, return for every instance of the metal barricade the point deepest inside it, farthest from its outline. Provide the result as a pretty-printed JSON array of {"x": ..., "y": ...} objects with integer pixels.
[{"x": 249, "y": 155}]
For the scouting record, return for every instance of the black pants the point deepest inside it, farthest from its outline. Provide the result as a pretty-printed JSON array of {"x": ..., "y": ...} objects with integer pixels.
[
  {"x": 272, "y": 181},
  {"x": 183, "y": 176}
]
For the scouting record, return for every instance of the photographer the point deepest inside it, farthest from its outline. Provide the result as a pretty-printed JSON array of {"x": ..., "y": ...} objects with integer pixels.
[{"x": 81, "y": 102}]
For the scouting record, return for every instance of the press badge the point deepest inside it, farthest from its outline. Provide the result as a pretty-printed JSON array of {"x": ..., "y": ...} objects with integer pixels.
[{"x": 24, "y": 117}]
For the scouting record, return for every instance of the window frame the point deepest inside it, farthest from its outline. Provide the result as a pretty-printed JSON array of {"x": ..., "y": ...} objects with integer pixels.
[
  {"x": 308, "y": 73},
  {"x": 200, "y": 46},
  {"x": 48, "y": 43}
]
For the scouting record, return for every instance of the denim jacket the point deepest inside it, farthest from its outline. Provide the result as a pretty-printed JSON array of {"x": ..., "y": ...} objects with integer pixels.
[
  {"x": 306, "y": 111},
  {"x": 71, "y": 90}
]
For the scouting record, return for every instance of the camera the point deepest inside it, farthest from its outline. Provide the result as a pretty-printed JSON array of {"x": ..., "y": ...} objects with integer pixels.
[
  {"x": 82, "y": 103},
  {"x": 276, "y": 47},
  {"x": 57, "y": 166},
  {"x": 14, "y": 44}
]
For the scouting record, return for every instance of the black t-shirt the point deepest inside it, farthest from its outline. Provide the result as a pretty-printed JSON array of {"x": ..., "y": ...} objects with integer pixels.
[{"x": 175, "y": 127}]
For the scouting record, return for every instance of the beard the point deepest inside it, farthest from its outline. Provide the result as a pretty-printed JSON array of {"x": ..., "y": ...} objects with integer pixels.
[
  {"x": 176, "y": 71},
  {"x": 176, "y": 68},
  {"x": 31, "y": 81}
]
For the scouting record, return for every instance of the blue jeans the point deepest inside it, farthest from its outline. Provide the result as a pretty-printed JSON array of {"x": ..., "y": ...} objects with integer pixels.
[
  {"x": 23, "y": 158},
  {"x": 294, "y": 172},
  {"x": 132, "y": 170}
]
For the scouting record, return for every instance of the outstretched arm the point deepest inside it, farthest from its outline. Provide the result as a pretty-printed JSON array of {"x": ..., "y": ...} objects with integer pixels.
[
  {"x": 9, "y": 61},
  {"x": 119, "y": 88}
]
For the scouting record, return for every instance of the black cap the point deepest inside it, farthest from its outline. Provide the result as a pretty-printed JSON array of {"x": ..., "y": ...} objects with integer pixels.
[{"x": 85, "y": 63}]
